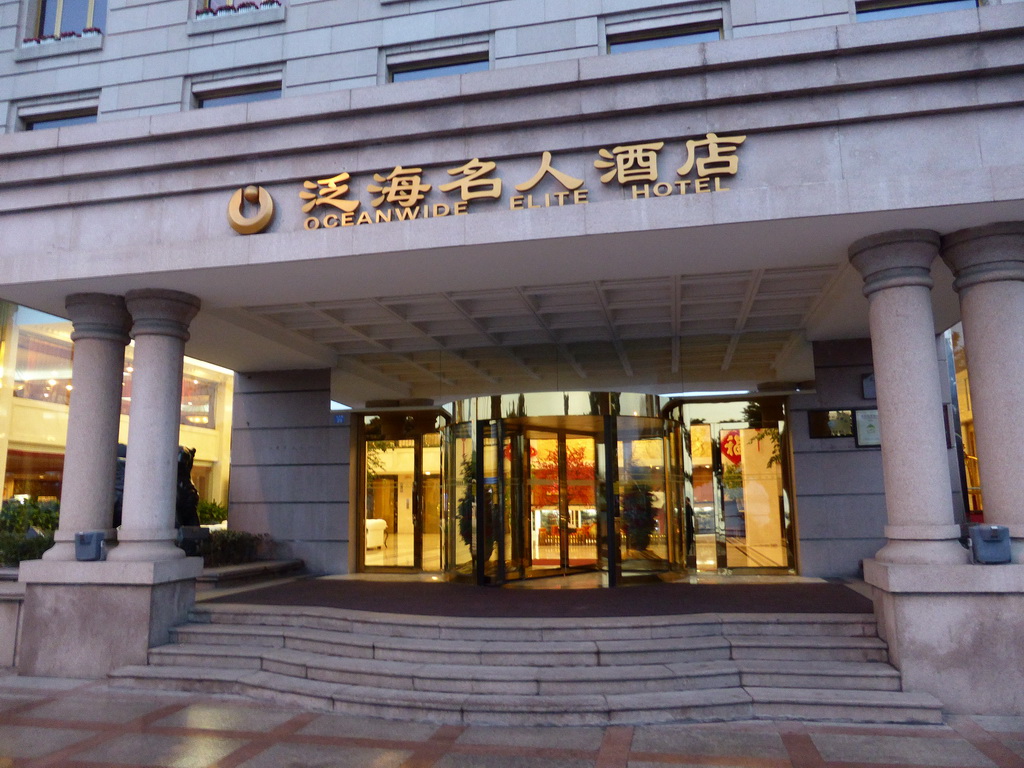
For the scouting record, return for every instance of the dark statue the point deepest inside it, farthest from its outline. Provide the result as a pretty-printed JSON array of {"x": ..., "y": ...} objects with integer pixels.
[
  {"x": 186, "y": 511},
  {"x": 186, "y": 508},
  {"x": 122, "y": 453}
]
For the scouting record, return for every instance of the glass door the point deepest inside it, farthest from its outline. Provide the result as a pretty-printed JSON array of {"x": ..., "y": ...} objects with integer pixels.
[
  {"x": 737, "y": 495},
  {"x": 552, "y": 502},
  {"x": 402, "y": 460}
]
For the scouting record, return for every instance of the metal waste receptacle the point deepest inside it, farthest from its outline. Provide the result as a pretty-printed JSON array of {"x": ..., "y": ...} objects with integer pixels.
[
  {"x": 89, "y": 545},
  {"x": 990, "y": 544}
]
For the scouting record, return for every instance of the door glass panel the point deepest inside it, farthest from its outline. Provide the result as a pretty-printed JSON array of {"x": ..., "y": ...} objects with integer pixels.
[
  {"x": 643, "y": 494},
  {"x": 431, "y": 500},
  {"x": 581, "y": 492},
  {"x": 390, "y": 531},
  {"x": 754, "y": 502},
  {"x": 490, "y": 522},
  {"x": 462, "y": 491},
  {"x": 545, "y": 525},
  {"x": 704, "y": 520}
]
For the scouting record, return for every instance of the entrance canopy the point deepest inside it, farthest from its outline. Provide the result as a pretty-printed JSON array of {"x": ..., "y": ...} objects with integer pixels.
[{"x": 579, "y": 272}]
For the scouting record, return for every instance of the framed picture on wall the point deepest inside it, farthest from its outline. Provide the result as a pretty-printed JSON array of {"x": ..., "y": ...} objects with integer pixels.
[{"x": 868, "y": 432}]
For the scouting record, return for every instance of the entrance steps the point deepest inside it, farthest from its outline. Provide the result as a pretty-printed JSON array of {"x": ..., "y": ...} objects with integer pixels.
[{"x": 595, "y": 671}]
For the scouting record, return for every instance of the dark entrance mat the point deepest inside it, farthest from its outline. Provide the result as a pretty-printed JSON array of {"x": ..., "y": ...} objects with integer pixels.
[{"x": 447, "y": 599}]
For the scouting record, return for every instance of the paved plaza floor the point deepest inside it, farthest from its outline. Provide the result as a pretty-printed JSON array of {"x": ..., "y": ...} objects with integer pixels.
[{"x": 87, "y": 724}]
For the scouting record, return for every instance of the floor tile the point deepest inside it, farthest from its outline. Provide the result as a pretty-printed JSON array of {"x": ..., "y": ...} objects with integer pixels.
[
  {"x": 697, "y": 740},
  {"x": 226, "y": 717},
  {"x": 368, "y": 728},
  {"x": 510, "y": 761},
  {"x": 24, "y": 741},
  {"x": 588, "y": 739},
  {"x": 916, "y": 750},
  {"x": 99, "y": 709},
  {"x": 169, "y": 751},
  {"x": 316, "y": 756},
  {"x": 1000, "y": 724}
]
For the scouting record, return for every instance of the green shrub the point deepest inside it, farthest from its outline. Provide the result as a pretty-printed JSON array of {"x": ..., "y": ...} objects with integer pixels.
[
  {"x": 18, "y": 516},
  {"x": 232, "y": 548},
  {"x": 14, "y": 547},
  {"x": 44, "y": 514},
  {"x": 211, "y": 512}
]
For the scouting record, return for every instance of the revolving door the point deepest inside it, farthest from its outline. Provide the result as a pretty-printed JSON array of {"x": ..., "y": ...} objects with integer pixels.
[{"x": 553, "y": 484}]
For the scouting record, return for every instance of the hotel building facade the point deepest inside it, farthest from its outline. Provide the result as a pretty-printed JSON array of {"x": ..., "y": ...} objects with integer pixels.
[{"x": 650, "y": 289}]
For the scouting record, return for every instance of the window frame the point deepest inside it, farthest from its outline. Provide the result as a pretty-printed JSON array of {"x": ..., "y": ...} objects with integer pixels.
[
  {"x": 678, "y": 32},
  {"x": 25, "y": 116},
  {"x": 430, "y": 68},
  {"x": 209, "y": 88},
  {"x": 875, "y": 10},
  {"x": 429, "y": 55}
]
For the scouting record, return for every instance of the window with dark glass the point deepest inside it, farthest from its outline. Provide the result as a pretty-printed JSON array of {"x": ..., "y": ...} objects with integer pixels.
[
  {"x": 438, "y": 67},
  {"x": 663, "y": 38},
  {"x": 57, "y": 121},
  {"x": 64, "y": 17},
  {"x": 893, "y": 9},
  {"x": 240, "y": 96}
]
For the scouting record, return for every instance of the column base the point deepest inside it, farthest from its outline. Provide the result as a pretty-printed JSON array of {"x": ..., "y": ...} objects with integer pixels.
[
  {"x": 954, "y": 631},
  {"x": 84, "y": 619},
  {"x": 922, "y": 544},
  {"x": 152, "y": 545}
]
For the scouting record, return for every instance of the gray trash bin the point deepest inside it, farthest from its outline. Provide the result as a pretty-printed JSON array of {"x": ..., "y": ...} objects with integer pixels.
[
  {"x": 89, "y": 545},
  {"x": 990, "y": 543}
]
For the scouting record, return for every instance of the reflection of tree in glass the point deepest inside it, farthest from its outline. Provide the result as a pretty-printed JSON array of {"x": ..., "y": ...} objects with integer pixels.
[
  {"x": 577, "y": 468},
  {"x": 467, "y": 508},
  {"x": 753, "y": 415},
  {"x": 637, "y": 507}
]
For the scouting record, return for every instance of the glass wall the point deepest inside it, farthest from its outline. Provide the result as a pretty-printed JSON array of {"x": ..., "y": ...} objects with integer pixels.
[
  {"x": 562, "y": 483},
  {"x": 37, "y": 389},
  {"x": 523, "y": 486}
]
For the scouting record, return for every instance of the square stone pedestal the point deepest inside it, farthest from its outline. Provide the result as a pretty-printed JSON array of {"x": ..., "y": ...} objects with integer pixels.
[
  {"x": 955, "y": 631},
  {"x": 83, "y": 619}
]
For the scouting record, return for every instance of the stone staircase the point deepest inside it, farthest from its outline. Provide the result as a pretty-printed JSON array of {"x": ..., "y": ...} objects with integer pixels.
[{"x": 514, "y": 671}]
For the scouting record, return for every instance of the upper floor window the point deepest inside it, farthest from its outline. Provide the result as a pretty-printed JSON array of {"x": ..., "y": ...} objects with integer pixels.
[
  {"x": 663, "y": 38},
  {"x": 237, "y": 97},
  {"x": 421, "y": 70},
  {"x": 217, "y": 91},
  {"x": 55, "y": 17},
  {"x": 39, "y": 124},
  {"x": 892, "y": 9}
]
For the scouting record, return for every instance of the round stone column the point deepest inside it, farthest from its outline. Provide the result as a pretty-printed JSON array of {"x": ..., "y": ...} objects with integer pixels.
[
  {"x": 896, "y": 267},
  {"x": 988, "y": 263},
  {"x": 101, "y": 324},
  {"x": 160, "y": 329}
]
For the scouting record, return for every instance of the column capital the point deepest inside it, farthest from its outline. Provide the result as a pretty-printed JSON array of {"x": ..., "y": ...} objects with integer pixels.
[
  {"x": 893, "y": 259},
  {"x": 161, "y": 312},
  {"x": 98, "y": 316},
  {"x": 985, "y": 254}
]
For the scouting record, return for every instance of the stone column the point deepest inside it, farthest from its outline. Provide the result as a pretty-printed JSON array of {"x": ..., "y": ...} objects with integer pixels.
[
  {"x": 988, "y": 263},
  {"x": 896, "y": 267},
  {"x": 101, "y": 324},
  {"x": 160, "y": 329}
]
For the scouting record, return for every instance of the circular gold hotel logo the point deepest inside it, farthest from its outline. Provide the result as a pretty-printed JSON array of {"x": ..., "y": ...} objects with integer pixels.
[{"x": 250, "y": 225}]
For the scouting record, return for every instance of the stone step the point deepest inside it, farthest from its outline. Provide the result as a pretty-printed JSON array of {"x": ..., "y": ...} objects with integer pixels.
[
  {"x": 494, "y": 653},
  {"x": 795, "y": 648},
  {"x": 848, "y": 675},
  {"x": 557, "y": 709},
  {"x": 535, "y": 629},
  {"x": 845, "y": 706},
  {"x": 453, "y": 678}
]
